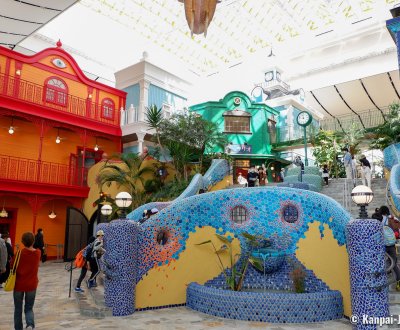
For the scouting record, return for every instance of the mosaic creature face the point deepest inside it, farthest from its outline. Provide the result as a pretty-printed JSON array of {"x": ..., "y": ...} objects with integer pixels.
[{"x": 280, "y": 214}]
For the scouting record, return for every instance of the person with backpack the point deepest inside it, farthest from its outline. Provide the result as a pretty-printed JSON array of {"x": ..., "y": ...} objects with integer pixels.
[
  {"x": 389, "y": 240},
  {"x": 95, "y": 255},
  {"x": 87, "y": 251}
]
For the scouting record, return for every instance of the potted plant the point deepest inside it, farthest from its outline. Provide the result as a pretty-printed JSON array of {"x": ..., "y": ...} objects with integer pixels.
[{"x": 235, "y": 277}]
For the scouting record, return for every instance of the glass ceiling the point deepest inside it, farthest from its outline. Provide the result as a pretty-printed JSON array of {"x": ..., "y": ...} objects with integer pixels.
[{"x": 239, "y": 28}]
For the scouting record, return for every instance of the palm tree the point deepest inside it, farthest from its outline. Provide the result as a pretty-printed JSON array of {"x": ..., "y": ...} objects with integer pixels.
[
  {"x": 125, "y": 170},
  {"x": 389, "y": 132},
  {"x": 153, "y": 119}
]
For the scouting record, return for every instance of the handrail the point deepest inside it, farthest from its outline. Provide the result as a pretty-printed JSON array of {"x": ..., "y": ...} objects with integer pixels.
[
  {"x": 370, "y": 118},
  {"x": 33, "y": 93},
  {"x": 31, "y": 170}
]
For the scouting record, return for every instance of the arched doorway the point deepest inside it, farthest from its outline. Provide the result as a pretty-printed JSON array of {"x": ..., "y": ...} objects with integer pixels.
[{"x": 76, "y": 233}]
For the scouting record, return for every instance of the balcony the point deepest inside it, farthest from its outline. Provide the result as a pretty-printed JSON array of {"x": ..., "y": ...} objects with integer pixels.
[
  {"x": 29, "y": 175},
  {"x": 76, "y": 110}
]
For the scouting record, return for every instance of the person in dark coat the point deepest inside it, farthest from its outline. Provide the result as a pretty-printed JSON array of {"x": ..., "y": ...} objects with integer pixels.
[
  {"x": 252, "y": 176},
  {"x": 39, "y": 244},
  {"x": 10, "y": 254},
  {"x": 86, "y": 267}
]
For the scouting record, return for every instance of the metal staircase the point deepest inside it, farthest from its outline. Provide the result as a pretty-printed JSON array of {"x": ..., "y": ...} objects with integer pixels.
[{"x": 340, "y": 190}]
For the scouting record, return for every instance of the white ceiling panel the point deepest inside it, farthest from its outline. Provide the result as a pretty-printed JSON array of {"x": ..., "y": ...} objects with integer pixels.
[
  {"x": 10, "y": 39},
  {"x": 355, "y": 96},
  {"x": 331, "y": 100},
  {"x": 25, "y": 12},
  {"x": 310, "y": 101},
  {"x": 380, "y": 89},
  {"x": 19, "y": 19}
]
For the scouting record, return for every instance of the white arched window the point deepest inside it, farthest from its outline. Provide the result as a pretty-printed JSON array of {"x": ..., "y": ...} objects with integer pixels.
[
  {"x": 107, "y": 108},
  {"x": 56, "y": 91}
]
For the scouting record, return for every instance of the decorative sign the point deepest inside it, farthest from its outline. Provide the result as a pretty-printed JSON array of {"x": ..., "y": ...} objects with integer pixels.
[
  {"x": 237, "y": 100},
  {"x": 239, "y": 149}
]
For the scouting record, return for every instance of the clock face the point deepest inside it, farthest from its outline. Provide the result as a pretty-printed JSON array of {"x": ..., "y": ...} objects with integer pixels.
[
  {"x": 269, "y": 75},
  {"x": 303, "y": 118}
]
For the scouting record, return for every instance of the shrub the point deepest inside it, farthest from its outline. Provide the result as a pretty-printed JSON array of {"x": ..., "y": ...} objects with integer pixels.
[{"x": 298, "y": 276}]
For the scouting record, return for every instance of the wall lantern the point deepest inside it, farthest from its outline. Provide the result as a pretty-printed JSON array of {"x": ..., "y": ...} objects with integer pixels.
[
  {"x": 199, "y": 14},
  {"x": 11, "y": 130},
  {"x": 106, "y": 210},
  {"x": 52, "y": 215},
  {"x": 362, "y": 196},
  {"x": 4, "y": 213},
  {"x": 123, "y": 201}
]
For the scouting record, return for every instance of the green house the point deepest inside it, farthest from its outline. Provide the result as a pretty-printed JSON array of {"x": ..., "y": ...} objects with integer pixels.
[{"x": 250, "y": 129}]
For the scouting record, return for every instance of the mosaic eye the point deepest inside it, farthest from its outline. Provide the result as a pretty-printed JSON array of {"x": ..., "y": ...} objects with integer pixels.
[
  {"x": 59, "y": 63},
  {"x": 290, "y": 213},
  {"x": 162, "y": 237},
  {"x": 239, "y": 214}
]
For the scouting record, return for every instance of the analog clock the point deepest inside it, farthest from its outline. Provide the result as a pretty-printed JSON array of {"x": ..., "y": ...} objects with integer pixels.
[
  {"x": 304, "y": 118},
  {"x": 269, "y": 76}
]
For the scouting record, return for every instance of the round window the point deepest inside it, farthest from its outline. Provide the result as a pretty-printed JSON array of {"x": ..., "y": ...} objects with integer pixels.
[
  {"x": 239, "y": 214},
  {"x": 162, "y": 237},
  {"x": 290, "y": 213}
]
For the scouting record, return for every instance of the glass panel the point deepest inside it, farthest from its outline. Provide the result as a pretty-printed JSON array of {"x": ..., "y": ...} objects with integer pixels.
[{"x": 237, "y": 124}]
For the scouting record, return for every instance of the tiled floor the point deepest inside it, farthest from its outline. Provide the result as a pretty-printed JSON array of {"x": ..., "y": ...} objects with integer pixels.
[{"x": 54, "y": 310}]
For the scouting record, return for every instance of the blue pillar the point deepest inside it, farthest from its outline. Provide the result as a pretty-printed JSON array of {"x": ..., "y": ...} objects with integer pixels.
[
  {"x": 120, "y": 243},
  {"x": 368, "y": 279},
  {"x": 393, "y": 25}
]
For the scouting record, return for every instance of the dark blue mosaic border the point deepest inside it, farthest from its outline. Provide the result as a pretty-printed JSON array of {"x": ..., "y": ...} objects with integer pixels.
[{"x": 265, "y": 307}]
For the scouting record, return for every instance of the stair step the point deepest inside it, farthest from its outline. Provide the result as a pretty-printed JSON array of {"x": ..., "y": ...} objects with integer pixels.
[
  {"x": 91, "y": 302},
  {"x": 335, "y": 191}
]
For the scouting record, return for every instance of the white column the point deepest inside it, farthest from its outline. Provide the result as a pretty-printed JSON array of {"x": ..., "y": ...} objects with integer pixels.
[
  {"x": 140, "y": 137},
  {"x": 131, "y": 114},
  {"x": 144, "y": 96}
]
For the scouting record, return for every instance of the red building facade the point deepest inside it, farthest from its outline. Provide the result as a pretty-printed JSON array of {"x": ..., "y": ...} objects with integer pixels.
[{"x": 55, "y": 123}]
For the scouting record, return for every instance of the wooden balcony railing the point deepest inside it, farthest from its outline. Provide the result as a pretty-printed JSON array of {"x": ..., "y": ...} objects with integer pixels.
[
  {"x": 30, "y": 170},
  {"x": 26, "y": 91}
]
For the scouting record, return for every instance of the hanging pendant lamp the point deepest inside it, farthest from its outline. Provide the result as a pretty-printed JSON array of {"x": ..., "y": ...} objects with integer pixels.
[{"x": 199, "y": 14}]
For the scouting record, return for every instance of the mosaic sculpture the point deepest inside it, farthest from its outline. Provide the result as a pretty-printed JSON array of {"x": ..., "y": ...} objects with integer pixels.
[
  {"x": 120, "y": 265},
  {"x": 369, "y": 290}
]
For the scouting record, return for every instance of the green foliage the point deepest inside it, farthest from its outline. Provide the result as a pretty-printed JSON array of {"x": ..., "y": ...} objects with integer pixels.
[
  {"x": 389, "y": 132},
  {"x": 151, "y": 186},
  {"x": 187, "y": 136},
  {"x": 153, "y": 119},
  {"x": 298, "y": 276},
  {"x": 235, "y": 277},
  {"x": 326, "y": 148},
  {"x": 328, "y": 145},
  {"x": 126, "y": 171},
  {"x": 352, "y": 137},
  {"x": 170, "y": 190}
]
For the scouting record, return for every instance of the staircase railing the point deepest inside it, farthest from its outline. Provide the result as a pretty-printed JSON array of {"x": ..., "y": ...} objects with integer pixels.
[{"x": 347, "y": 201}]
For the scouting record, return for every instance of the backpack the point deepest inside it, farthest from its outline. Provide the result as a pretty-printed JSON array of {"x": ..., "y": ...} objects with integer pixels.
[
  {"x": 389, "y": 236},
  {"x": 88, "y": 250},
  {"x": 80, "y": 260}
]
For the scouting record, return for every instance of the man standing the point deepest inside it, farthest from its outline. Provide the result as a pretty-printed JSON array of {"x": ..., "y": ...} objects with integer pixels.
[
  {"x": 348, "y": 164},
  {"x": 252, "y": 176},
  {"x": 39, "y": 244}
]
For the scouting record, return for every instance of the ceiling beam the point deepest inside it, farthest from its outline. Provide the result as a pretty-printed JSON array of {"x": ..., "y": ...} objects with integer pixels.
[
  {"x": 370, "y": 98},
  {"x": 337, "y": 119},
  {"x": 344, "y": 101}
]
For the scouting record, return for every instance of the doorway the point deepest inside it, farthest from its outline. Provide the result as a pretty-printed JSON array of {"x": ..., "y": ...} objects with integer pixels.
[{"x": 9, "y": 224}]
